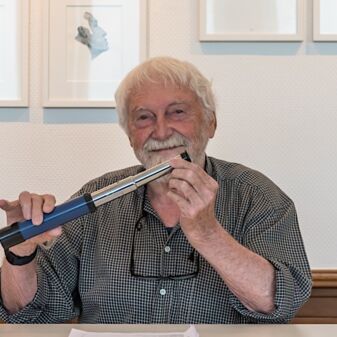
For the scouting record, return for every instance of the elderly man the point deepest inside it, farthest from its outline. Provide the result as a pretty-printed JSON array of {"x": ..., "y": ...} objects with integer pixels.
[{"x": 213, "y": 242}]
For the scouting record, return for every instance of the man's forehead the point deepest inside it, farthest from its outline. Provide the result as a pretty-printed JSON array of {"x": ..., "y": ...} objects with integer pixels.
[
  {"x": 153, "y": 94},
  {"x": 154, "y": 97}
]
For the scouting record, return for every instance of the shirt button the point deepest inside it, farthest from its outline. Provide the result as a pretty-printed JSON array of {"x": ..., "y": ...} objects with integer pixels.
[
  {"x": 167, "y": 249},
  {"x": 162, "y": 292}
]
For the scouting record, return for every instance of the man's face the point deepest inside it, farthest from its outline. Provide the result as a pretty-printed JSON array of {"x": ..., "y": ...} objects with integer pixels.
[{"x": 165, "y": 121}]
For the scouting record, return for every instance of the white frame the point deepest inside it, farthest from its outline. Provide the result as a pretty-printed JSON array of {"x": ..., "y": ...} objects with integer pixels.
[
  {"x": 48, "y": 99},
  {"x": 317, "y": 35},
  {"x": 22, "y": 56},
  {"x": 205, "y": 36}
]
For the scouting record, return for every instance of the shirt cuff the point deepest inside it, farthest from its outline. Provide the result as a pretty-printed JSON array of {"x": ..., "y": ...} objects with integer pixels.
[{"x": 284, "y": 299}]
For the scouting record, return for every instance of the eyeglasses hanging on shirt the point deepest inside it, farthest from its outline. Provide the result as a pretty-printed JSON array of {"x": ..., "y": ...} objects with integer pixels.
[{"x": 189, "y": 262}]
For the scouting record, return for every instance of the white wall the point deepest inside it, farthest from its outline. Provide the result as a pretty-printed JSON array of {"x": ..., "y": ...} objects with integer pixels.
[{"x": 277, "y": 113}]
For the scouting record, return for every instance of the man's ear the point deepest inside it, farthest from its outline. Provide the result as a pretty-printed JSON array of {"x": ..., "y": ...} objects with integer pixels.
[
  {"x": 212, "y": 125},
  {"x": 130, "y": 141}
]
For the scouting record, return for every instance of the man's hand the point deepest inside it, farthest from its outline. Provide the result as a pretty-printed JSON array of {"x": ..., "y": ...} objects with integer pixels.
[
  {"x": 30, "y": 206},
  {"x": 194, "y": 191}
]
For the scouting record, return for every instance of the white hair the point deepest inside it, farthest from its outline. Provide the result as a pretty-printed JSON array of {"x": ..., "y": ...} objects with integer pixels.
[{"x": 165, "y": 71}]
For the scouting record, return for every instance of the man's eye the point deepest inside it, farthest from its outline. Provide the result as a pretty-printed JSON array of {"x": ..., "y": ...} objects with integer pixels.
[
  {"x": 176, "y": 112},
  {"x": 143, "y": 117}
]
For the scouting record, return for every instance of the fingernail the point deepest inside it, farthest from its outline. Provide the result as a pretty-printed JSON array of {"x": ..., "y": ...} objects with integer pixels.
[{"x": 38, "y": 220}]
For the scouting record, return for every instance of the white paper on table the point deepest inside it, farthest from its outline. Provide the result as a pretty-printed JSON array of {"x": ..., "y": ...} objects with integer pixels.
[{"x": 190, "y": 332}]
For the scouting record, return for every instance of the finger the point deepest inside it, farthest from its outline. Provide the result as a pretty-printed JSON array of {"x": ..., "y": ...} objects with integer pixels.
[
  {"x": 6, "y": 205},
  {"x": 37, "y": 214},
  {"x": 183, "y": 165},
  {"x": 177, "y": 162},
  {"x": 185, "y": 190},
  {"x": 25, "y": 201},
  {"x": 200, "y": 175},
  {"x": 55, "y": 231},
  {"x": 189, "y": 176},
  {"x": 205, "y": 186},
  {"x": 181, "y": 202},
  {"x": 49, "y": 202}
]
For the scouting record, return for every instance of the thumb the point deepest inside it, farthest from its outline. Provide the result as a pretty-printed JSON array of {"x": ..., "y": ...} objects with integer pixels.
[{"x": 7, "y": 205}]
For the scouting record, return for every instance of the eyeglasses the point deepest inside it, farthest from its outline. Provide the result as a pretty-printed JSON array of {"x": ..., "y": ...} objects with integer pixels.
[{"x": 192, "y": 258}]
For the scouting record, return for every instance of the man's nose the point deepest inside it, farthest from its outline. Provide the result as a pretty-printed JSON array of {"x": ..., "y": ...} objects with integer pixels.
[{"x": 162, "y": 129}]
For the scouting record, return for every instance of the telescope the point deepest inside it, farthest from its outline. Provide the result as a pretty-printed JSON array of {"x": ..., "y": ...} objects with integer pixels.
[{"x": 82, "y": 205}]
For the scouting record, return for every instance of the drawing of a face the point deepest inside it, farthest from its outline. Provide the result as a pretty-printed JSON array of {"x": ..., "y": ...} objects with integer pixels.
[{"x": 94, "y": 38}]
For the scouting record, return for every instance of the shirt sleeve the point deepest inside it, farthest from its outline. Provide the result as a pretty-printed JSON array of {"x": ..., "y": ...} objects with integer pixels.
[
  {"x": 57, "y": 273},
  {"x": 58, "y": 266},
  {"x": 272, "y": 231}
]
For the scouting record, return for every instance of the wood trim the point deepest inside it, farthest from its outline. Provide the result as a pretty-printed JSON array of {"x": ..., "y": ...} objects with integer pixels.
[
  {"x": 322, "y": 305},
  {"x": 314, "y": 320},
  {"x": 324, "y": 278}
]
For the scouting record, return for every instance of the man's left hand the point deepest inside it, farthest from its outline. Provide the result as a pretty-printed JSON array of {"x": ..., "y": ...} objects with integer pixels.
[{"x": 194, "y": 191}]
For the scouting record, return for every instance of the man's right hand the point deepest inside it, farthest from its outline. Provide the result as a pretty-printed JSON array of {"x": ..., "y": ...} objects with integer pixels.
[{"x": 30, "y": 206}]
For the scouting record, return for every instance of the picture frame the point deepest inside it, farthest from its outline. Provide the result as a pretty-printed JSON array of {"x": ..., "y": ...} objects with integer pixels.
[
  {"x": 89, "y": 46},
  {"x": 254, "y": 20},
  {"x": 14, "y": 58},
  {"x": 325, "y": 20}
]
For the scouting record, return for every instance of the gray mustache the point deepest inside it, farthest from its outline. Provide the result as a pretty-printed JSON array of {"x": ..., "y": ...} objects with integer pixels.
[{"x": 174, "y": 141}]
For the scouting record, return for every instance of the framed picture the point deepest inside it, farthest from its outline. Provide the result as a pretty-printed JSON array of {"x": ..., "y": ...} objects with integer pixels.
[
  {"x": 89, "y": 45},
  {"x": 14, "y": 29},
  {"x": 325, "y": 20},
  {"x": 251, "y": 20}
]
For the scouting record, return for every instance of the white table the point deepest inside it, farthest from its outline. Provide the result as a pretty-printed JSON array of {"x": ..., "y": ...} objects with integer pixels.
[{"x": 62, "y": 330}]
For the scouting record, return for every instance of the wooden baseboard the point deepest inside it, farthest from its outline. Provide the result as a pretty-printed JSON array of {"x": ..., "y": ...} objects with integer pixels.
[
  {"x": 322, "y": 306},
  {"x": 324, "y": 278}
]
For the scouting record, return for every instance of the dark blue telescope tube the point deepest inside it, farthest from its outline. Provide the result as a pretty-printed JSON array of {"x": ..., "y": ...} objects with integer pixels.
[{"x": 85, "y": 204}]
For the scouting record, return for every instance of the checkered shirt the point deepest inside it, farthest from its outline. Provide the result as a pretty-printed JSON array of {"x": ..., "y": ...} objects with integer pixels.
[{"x": 86, "y": 271}]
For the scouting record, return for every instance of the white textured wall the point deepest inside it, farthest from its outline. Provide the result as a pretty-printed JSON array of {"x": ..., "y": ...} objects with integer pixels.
[{"x": 277, "y": 112}]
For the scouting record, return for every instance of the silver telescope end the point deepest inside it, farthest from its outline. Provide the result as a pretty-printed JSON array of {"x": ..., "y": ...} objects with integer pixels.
[{"x": 130, "y": 184}]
